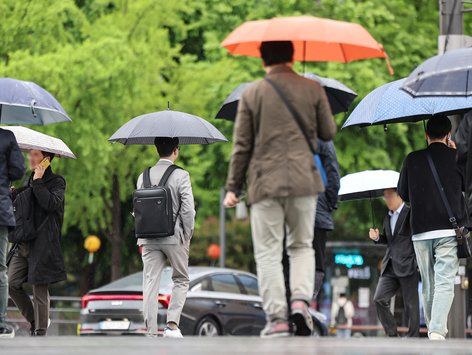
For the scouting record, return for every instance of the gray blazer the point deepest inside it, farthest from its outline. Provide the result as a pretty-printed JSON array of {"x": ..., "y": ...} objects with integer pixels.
[{"x": 182, "y": 196}]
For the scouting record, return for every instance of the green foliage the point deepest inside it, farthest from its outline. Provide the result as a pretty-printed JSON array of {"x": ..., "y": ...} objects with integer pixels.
[{"x": 110, "y": 60}]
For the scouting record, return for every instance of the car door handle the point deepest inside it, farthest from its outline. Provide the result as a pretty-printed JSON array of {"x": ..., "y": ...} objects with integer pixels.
[
  {"x": 257, "y": 305},
  {"x": 220, "y": 304}
]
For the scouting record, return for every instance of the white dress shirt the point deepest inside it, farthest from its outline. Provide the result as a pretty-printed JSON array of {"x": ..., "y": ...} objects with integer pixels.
[{"x": 394, "y": 217}]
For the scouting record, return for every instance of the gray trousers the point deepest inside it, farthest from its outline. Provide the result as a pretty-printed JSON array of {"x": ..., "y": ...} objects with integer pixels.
[
  {"x": 154, "y": 260},
  {"x": 36, "y": 312},
  {"x": 3, "y": 275},
  {"x": 268, "y": 218}
]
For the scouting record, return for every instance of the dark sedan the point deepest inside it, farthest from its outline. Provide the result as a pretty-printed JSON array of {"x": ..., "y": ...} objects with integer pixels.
[{"x": 219, "y": 302}]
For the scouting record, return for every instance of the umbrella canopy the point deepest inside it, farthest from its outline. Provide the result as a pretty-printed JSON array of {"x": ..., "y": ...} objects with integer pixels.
[
  {"x": 188, "y": 128},
  {"x": 29, "y": 139},
  {"x": 367, "y": 184},
  {"x": 390, "y": 104},
  {"x": 448, "y": 74},
  {"x": 24, "y": 102},
  {"x": 339, "y": 97},
  {"x": 315, "y": 39}
]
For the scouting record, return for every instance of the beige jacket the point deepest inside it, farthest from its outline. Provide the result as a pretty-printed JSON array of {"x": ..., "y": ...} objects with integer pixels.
[
  {"x": 182, "y": 195},
  {"x": 268, "y": 144}
]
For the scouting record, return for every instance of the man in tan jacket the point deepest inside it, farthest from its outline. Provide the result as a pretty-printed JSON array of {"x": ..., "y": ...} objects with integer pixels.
[{"x": 282, "y": 182}]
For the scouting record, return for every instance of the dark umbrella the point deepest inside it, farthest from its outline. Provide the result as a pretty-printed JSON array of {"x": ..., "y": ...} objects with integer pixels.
[
  {"x": 448, "y": 74},
  {"x": 188, "y": 128},
  {"x": 389, "y": 104},
  {"x": 24, "y": 102},
  {"x": 339, "y": 97}
]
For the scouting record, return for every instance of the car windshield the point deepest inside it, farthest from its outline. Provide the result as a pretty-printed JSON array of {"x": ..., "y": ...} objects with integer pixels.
[{"x": 134, "y": 282}]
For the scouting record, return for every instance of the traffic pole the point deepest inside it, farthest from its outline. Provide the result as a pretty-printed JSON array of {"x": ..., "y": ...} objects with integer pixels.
[{"x": 222, "y": 228}]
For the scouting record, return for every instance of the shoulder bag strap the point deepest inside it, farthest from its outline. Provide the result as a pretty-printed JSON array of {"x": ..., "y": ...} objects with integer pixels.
[
  {"x": 452, "y": 219},
  {"x": 147, "y": 178},
  {"x": 294, "y": 113}
]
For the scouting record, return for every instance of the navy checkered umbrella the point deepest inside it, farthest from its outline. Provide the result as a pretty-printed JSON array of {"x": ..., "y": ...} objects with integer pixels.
[
  {"x": 339, "y": 97},
  {"x": 390, "y": 104},
  {"x": 188, "y": 128},
  {"x": 24, "y": 102},
  {"x": 448, "y": 74}
]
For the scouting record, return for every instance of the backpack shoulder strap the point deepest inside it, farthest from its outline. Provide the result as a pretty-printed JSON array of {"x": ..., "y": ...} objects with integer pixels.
[
  {"x": 147, "y": 178},
  {"x": 167, "y": 174}
]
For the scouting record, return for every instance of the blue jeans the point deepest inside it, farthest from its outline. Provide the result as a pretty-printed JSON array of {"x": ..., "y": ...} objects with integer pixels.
[
  {"x": 438, "y": 264},
  {"x": 3, "y": 275}
]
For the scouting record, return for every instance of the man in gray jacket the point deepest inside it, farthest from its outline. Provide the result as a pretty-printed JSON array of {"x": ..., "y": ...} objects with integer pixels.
[{"x": 175, "y": 248}]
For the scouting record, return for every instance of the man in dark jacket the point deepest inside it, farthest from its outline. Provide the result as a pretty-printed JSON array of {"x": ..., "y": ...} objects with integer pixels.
[
  {"x": 432, "y": 233},
  {"x": 12, "y": 167},
  {"x": 327, "y": 202},
  {"x": 398, "y": 266},
  {"x": 40, "y": 262},
  {"x": 463, "y": 140}
]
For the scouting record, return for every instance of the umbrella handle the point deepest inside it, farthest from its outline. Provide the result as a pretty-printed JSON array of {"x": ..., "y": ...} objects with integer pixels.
[{"x": 372, "y": 211}]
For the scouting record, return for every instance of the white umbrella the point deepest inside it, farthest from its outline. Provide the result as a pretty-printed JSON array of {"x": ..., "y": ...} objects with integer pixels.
[
  {"x": 367, "y": 184},
  {"x": 29, "y": 139}
]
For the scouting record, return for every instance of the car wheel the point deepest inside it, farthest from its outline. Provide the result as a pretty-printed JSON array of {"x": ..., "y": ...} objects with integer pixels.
[{"x": 208, "y": 327}]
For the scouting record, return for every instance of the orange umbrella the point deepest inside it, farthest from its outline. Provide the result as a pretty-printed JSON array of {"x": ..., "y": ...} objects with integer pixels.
[{"x": 315, "y": 39}]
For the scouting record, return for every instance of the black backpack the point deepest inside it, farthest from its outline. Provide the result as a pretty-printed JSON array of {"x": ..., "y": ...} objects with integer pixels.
[
  {"x": 152, "y": 206},
  {"x": 341, "y": 316}
]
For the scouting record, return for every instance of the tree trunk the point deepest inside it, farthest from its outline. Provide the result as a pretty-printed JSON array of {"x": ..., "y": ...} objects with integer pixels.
[{"x": 115, "y": 236}]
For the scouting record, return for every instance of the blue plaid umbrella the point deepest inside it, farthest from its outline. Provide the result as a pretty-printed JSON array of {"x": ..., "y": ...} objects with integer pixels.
[
  {"x": 24, "y": 102},
  {"x": 390, "y": 104}
]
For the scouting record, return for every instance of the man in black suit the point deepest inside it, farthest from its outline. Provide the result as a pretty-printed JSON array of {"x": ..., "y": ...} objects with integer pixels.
[{"x": 399, "y": 269}]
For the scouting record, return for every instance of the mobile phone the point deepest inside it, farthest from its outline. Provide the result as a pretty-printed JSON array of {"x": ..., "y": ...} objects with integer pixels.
[{"x": 45, "y": 163}]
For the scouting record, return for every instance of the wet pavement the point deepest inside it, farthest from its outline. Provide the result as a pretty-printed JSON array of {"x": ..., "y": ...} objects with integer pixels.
[{"x": 229, "y": 346}]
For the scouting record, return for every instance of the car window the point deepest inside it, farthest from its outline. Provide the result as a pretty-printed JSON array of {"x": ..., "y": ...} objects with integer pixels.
[
  {"x": 250, "y": 284},
  {"x": 225, "y": 283},
  {"x": 203, "y": 285}
]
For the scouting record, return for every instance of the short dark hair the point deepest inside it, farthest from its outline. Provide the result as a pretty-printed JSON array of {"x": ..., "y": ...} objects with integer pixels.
[
  {"x": 276, "y": 52},
  {"x": 342, "y": 294},
  {"x": 165, "y": 145},
  {"x": 48, "y": 155},
  {"x": 438, "y": 127}
]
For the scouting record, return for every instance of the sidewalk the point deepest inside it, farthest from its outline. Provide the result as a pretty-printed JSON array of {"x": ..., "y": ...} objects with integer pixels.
[{"x": 228, "y": 346}]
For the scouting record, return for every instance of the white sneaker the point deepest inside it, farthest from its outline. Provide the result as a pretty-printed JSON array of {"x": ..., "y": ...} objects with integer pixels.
[
  {"x": 172, "y": 333},
  {"x": 436, "y": 336}
]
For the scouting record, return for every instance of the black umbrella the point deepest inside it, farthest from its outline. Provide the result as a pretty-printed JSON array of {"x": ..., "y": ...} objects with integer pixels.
[
  {"x": 339, "y": 97},
  {"x": 188, "y": 128},
  {"x": 448, "y": 74}
]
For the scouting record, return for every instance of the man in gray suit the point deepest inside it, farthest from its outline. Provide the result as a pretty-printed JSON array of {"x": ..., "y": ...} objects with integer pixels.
[{"x": 175, "y": 248}]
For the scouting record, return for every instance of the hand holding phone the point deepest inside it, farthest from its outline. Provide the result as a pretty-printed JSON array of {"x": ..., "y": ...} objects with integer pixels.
[{"x": 41, "y": 168}]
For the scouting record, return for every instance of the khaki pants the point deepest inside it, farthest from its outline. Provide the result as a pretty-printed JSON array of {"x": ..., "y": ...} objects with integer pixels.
[
  {"x": 268, "y": 220},
  {"x": 36, "y": 312},
  {"x": 154, "y": 260}
]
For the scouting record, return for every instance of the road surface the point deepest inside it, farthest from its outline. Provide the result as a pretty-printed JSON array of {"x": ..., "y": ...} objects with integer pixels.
[{"x": 228, "y": 346}]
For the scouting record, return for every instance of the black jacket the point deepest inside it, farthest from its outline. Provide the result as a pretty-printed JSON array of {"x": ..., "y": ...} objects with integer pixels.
[
  {"x": 463, "y": 139},
  {"x": 328, "y": 199},
  {"x": 45, "y": 261},
  {"x": 416, "y": 186},
  {"x": 400, "y": 252},
  {"x": 12, "y": 167}
]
